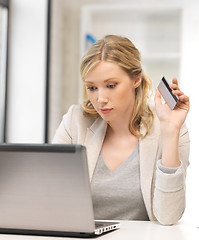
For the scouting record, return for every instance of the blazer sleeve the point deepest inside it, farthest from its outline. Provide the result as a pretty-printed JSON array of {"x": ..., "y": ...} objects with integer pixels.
[
  {"x": 169, "y": 190},
  {"x": 63, "y": 134}
]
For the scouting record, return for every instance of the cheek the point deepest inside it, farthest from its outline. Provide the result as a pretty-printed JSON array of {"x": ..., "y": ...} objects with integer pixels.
[
  {"x": 125, "y": 94},
  {"x": 92, "y": 97},
  {"x": 128, "y": 99}
]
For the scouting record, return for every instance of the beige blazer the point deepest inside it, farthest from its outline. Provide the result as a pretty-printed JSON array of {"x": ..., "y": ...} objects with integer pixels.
[{"x": 163, "y": 194}]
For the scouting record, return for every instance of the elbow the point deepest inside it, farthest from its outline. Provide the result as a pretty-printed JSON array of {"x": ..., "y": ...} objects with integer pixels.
[
  {"x": 169, "y": 209},
  {"x": 168, "y": 221},
  {"x": 168, "y": 218}
]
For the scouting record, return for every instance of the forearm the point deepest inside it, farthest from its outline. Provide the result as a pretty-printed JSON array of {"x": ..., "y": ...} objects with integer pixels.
[
  {"x": 170, "y": 142},
  {"x": 169, "y": 192}
]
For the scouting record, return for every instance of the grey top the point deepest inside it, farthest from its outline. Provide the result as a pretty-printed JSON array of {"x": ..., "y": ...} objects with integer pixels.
[{"x": 117, "y": 194}]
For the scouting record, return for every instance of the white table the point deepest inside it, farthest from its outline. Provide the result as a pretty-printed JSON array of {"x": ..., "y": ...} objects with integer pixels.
[{"x": 132, "y": 230}]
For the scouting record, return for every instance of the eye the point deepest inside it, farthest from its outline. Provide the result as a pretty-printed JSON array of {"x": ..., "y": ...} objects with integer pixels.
[
  {"x": 111, "y": 85},
  {"x": 91, "y": 88}
]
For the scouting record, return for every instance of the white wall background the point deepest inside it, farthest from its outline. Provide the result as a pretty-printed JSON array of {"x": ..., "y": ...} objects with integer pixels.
[
  {"x": 27, "y": 69},
  {"x": 190, "y": 85}
]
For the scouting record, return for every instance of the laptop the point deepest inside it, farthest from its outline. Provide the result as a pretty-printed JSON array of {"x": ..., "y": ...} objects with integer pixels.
[{"x": 45, "y": 190}]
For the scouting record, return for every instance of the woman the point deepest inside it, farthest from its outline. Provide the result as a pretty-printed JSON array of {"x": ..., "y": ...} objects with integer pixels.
[{"x": 137, "y": 155}]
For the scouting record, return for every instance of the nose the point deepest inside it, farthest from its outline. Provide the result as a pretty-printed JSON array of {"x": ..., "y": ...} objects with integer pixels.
[{"x": 102, "y": 97}]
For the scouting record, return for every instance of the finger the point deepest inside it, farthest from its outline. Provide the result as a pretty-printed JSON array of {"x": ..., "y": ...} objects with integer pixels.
[
  {"x": 184, "y": 98},
  {"x": 158, "y": 97},
  {"x": 183, "y": 102},
  {"x": 177, "y": 92},
  {"x": 174, "y": 86},
  {"x": 157, "y": 93},
  {"x": 175, "y": 81}
]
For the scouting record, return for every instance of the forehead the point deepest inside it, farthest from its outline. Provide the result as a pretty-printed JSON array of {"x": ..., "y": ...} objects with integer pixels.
[{"x": 105, "y": 70}]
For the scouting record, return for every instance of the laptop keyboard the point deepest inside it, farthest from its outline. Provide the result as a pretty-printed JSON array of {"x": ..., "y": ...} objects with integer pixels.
[{"x": 99, "y": 224}]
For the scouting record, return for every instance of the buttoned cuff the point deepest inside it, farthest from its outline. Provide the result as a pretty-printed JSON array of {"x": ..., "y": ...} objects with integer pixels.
[{"x": 169, "y": 179}]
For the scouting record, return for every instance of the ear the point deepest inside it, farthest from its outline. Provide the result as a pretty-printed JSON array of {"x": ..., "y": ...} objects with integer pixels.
[{"x": 137, "y": 81}]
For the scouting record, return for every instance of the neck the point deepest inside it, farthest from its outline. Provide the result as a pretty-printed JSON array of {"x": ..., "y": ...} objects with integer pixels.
[{"x": 119, "y": 129}]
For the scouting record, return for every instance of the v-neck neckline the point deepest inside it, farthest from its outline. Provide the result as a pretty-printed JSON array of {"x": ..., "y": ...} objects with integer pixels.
[{"x": 125, "y": 162}]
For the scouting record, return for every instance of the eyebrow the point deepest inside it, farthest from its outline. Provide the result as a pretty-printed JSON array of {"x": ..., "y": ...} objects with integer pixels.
[{"x": 109, "y": 79}]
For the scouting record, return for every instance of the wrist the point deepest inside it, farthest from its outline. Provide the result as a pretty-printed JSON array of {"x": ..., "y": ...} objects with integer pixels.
[
  {"x": 170, "y": 135},
  {"x": 168, "y": 128}
]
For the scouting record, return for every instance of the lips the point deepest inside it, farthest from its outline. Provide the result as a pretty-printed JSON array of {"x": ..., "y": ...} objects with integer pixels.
[{"x": 105, "y": 110}]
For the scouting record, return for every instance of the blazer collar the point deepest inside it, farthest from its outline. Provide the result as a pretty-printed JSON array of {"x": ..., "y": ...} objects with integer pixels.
[{"x": 93, "y": 142}]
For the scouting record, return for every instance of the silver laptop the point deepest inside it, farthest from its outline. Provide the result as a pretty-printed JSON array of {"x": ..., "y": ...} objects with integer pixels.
[{"x": 45, "y": 190}]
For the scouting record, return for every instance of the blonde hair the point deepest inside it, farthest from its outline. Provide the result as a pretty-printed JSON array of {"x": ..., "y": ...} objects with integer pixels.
[{"x": 121, "y": 50}]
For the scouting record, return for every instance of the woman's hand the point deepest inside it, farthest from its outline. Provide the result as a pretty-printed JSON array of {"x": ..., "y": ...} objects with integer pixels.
[
  {"x": 177, "y": 116},
  {"x": 170, "y": 123}
]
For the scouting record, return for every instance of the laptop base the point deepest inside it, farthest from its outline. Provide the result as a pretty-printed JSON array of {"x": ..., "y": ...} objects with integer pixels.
[{"x": 52, "y": 233}]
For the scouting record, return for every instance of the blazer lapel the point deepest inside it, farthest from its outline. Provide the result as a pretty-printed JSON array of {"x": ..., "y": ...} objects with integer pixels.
[
  {"x": 93, "y": 142},
  {"x": 148, "y": 158}
]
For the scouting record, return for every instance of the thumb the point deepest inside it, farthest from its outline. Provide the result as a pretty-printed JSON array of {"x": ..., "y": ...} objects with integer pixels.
[{"x": 158, "y": 100}]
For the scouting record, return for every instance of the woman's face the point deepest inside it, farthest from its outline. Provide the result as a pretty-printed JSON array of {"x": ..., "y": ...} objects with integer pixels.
[{"x": 111, "y": 91}]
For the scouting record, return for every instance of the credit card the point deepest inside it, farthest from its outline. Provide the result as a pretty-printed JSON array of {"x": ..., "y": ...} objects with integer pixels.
[{"x": 167, "y": 94}]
